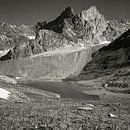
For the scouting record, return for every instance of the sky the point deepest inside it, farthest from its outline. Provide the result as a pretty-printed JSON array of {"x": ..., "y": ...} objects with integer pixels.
[{"x": 31, "y": 11}]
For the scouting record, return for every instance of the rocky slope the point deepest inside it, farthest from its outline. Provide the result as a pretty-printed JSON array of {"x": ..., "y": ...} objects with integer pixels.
[
  {"x": 56, "y": 65},
  {"x": 11, "y": 35},
  {"x": 115, "y": 29},
  {"x": 67, "y": 30},
  {"x": 115, "y": 55}
]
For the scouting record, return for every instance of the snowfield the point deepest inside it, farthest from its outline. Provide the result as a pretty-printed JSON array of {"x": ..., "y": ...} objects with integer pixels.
[
  {"x": 4, "y": 52},
  {"x": 4, "y": 94}
]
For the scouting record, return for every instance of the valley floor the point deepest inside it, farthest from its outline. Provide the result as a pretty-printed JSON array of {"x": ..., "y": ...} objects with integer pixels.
[{"x": 33, "y": 109}]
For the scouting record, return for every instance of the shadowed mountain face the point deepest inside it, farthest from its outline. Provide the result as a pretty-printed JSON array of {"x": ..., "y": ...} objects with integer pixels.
[{"x": 115, "y": 55}]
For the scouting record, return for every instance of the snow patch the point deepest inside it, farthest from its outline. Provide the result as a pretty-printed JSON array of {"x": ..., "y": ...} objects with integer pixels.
[
  {"x": 4, "y": 52},
  {"x": 58, "y": 96},
  {"x": 105, "y": 42},
  {"x": 4, "y": 94},
  {"x": 31, "y": 37}
]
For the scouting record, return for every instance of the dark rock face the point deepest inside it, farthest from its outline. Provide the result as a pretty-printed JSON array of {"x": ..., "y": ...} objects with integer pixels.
[
  {"x": 115, "y": 55},
  {"x": 57, "y": 25}
]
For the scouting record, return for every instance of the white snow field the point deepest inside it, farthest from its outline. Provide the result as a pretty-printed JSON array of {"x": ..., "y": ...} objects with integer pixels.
[{"x": 4, "y": 94}]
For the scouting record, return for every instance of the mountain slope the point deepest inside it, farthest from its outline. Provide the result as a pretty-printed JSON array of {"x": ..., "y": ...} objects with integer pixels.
[
  {"x": 115, "y": 29},
  {"x": 47, "y": 41},
  {"x": 115, "y": 55},
  {"x": 11, "y": 35}
]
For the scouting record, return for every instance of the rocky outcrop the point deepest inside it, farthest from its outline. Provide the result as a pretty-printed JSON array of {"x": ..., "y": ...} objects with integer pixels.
[{"x": 58, "y": 65}]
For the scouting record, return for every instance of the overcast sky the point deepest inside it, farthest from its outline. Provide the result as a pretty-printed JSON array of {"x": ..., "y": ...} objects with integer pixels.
[{"x": 30, "y": 11}]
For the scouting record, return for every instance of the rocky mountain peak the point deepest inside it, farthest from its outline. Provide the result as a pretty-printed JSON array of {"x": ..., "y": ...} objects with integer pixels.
[
  {"x": 67, "y": 13},
  {"x": 91, "y": 13}
]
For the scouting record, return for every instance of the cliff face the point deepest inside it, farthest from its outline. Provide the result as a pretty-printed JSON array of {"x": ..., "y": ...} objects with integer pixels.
[{"x": 48, "y": 66}]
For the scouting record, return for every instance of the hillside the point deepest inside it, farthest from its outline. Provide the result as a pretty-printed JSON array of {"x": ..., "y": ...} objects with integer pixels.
[
  {"x": 110, "y": 58},
  {"x": 58, "y": 65}
]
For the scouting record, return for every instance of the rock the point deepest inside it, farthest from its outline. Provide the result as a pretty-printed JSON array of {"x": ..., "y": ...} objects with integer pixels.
[
  {"x": 58, "y": 96},
  {"x": 85, "y": 108},
  {"x": 112, "y": 115}
]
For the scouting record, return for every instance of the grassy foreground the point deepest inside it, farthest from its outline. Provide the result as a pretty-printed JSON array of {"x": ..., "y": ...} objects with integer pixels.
[{"x": 29, "y": 109}]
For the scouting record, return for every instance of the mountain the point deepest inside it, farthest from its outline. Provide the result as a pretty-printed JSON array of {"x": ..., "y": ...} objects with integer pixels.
[
  {"x": 86, "y": 27},
  {"x": 66, "y": 39}
]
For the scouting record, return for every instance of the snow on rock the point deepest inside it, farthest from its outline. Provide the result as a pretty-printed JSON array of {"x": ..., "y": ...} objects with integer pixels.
[
  {"x": 112, "y": 115},
  {"x": 4, "y": 94}
]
